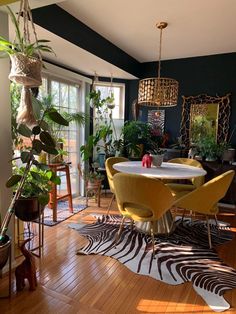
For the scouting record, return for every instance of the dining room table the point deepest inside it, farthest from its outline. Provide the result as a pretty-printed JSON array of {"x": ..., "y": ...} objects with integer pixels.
[{"x": 172, "y": 171}]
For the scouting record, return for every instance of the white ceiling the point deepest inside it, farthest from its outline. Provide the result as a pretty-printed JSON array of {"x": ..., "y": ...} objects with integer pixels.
[{"x": 196, "y": 28}]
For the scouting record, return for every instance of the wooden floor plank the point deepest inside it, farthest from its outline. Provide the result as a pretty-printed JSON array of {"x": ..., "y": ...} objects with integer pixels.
[{"x": 70, "y": 283}]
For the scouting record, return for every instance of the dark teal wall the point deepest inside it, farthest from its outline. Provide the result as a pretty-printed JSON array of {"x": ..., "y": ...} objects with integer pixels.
[{"x": 213, "y": 75}]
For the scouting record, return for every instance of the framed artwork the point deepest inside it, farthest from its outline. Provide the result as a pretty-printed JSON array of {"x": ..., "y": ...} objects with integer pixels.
[{"x": 157, "y": 119}]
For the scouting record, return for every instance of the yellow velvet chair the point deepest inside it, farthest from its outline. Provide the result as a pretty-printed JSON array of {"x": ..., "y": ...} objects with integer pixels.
[
  {"x": 180, "y": 189},
  {"x": 141, "y": 198},
  {"x": 110, "y": 173},
  {"x": 204, "y": 199}
]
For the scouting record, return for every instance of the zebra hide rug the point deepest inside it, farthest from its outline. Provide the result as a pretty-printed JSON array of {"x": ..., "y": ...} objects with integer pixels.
[{"x": 180, "y": 257}]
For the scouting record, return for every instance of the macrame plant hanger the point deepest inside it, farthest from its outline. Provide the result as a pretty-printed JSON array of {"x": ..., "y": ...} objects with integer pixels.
[{"x": 25, "y": 68}]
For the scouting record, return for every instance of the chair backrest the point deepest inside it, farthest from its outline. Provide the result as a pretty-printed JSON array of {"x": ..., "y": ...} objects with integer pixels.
[
  {"x": 141, "y": 198},
  {"x": 111, "y": 171},
  {"x": 205, "y": 198},
  {"x": 198, "y": 181}
]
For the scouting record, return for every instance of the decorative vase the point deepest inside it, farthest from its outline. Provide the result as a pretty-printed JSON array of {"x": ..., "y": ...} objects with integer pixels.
[{"x": 157, "y": 160}]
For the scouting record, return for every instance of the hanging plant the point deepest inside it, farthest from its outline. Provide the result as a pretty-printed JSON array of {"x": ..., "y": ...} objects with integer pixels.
[{"x": 26, "y": 60}]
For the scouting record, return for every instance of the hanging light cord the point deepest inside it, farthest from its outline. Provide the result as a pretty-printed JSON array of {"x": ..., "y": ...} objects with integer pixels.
[{"x": 159, "y": 60}]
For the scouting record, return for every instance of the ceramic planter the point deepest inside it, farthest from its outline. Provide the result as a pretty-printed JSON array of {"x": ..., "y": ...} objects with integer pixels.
[
  {"x": 157, "y": 160},
  {"x": 28, "y": 209}
]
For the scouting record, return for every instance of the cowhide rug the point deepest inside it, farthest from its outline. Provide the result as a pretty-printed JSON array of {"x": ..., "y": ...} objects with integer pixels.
[{"x": 181, "y": 257}]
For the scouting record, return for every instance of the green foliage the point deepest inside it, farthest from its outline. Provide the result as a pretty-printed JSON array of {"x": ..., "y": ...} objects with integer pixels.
[
  {"x": 21, "y": 45},
  {"x": 135, "y": 133},
  {"x": 208, "y": 148},
  {"x": 38, "y": 183}
]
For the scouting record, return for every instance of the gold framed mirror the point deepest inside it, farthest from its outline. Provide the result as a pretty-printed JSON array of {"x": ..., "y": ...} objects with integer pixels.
[{"x": 204, "y": 115}]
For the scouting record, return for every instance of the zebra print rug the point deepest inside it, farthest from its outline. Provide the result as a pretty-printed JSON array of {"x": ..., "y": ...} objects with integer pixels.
[{"x": 181, "y": 257}]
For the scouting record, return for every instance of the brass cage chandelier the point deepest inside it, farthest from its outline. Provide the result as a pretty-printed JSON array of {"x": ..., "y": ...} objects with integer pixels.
[{"x": 158, "y": 91}]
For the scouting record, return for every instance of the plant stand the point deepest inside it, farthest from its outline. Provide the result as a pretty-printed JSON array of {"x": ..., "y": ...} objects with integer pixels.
[
  {"x": 31, "y": 232},
  {"x": 5, "y": 254}
]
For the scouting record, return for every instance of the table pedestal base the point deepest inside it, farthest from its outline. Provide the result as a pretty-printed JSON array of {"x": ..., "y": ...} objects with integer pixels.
[{"x": 164, "y": 225}]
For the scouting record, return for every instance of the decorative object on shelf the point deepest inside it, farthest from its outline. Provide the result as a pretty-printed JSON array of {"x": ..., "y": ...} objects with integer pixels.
[
  {"x": 158, "y": 91},
  {"x": 222, "y": 125}
]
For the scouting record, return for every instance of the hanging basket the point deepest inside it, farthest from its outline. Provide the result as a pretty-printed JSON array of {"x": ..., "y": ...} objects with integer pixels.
[{"x": 25, "y": 70}]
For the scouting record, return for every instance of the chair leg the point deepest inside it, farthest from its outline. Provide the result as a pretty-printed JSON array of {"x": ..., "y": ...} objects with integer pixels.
[
  {"x": 120, "y": 230},
  {"x": 217, "y": 224},
  {"x": 153, "y": 241},
  {"x": 183, "y": 215},
  {"x": 209, "y": 232},
  {"x": 109, "y": 206}
]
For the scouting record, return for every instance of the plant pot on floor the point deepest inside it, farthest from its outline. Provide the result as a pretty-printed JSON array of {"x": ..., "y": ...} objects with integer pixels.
[
  {"x": 28, "y": 209},
  {"x": 5, "y": 247}
]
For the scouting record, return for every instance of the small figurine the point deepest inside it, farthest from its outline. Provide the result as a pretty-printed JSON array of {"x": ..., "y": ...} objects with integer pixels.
[{"x": 147, "y": 161}]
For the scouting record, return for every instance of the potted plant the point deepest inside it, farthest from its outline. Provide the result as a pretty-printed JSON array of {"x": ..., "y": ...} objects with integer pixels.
[
  {"x": 39, "y": 140},
  {"x": 157, "y": 154},
  {"x": 136, "y": 134},
  {"x": 25, "y": 56},
  {"x": 35, "y": 192},
  {"x": 208, "y": 148}
]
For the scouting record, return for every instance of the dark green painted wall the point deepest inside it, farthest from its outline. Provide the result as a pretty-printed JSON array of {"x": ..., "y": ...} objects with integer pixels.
[{"x": 212, "y": 75}]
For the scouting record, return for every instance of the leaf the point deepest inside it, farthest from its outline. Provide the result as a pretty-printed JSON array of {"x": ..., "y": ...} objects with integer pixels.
[
  {"x": 37, "y": 145},
  {"x": 24, "y": 130},
  {"x": 55, "y": 179},
  {"x": 35, "y": 175},
  {"x": 17, "y": 29},
  {"x": 25, "y": 156},
  {"x": 43, "y": 199},
  {"x": 13, "y": 180},
  {"x": 50, "y": 150},
  {"x": 36, "y": 130},
  {"x": 36, "y": 108},
  {"x": 56, "y": 117},
  {"x": 46, "y": 138},
  {"x": 44, "y": 125}
]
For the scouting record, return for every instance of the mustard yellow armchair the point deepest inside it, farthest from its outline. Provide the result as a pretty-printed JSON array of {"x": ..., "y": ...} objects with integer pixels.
[
  {"x": 140, "y": 198},
  {"x": 204, "y": 199},
  {"x": 180, "y": 189},
  {"x": 110, "y": 173}
]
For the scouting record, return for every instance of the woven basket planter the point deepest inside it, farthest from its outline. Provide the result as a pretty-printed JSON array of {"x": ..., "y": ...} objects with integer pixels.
[{"x": 25, "y": 70}]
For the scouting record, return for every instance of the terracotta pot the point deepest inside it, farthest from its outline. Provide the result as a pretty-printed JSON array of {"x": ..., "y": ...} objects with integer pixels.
[
  {"x": 28, "y": 209},
  {"x": 4, "y": 251}
]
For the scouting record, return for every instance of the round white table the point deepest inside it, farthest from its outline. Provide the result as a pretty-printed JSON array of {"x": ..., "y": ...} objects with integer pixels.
[{"x": 166, "y": 171}]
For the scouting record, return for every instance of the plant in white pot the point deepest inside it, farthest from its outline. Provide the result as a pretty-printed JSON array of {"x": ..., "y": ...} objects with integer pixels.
[{"x": 157, "y": 154}]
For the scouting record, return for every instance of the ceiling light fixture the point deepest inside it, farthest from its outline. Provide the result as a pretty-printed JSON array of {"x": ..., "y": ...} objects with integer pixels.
[{"x": 158, "y": 91}]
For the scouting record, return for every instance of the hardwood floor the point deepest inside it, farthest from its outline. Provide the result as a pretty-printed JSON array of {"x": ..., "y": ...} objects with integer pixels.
[{"x": 70, "y": 283}]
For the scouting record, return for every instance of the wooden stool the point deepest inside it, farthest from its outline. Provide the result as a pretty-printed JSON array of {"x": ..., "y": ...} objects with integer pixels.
[{"x": 53, "y": 193}]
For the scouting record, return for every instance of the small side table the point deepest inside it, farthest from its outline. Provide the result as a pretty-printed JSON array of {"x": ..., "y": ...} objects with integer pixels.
[{"x": 54, "y": 198}]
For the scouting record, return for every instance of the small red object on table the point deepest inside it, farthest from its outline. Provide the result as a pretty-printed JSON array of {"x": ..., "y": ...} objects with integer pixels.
[
  {"x": 147, "y": 161},
  {"x": 53, "y": 193}
]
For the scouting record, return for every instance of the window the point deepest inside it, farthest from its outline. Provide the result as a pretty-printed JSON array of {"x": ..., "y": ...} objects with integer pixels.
[
  {"x": 119, "y": 95},
  {"x": 65, "y": 99},
  {"x": 118, "y": 91}
]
